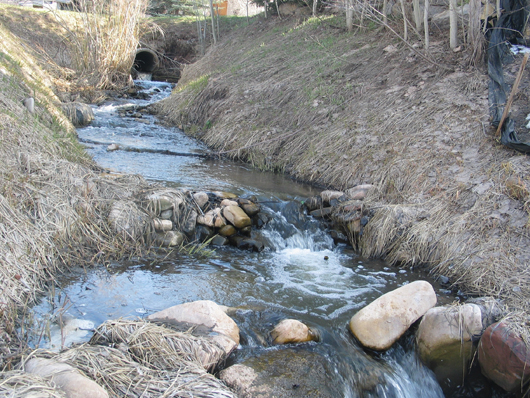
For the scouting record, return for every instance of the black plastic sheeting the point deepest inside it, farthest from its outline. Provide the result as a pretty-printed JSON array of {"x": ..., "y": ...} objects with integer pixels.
[{"x": 508, "y": 30}]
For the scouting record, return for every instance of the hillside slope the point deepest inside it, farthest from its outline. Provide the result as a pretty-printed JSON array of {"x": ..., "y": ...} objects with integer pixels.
[{"x": 340, "y": 109}]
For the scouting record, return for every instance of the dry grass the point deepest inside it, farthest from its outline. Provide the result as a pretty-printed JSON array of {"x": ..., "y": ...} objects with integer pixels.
[
  {"x": 133, "y": 359},
  {"x": 336, "y": 109},
  {"x": 159, "y": 345},
  {"x": 18, "y": 384},
  {"x": 53, "y": 199},
  {"x": 117, "y": 371}
]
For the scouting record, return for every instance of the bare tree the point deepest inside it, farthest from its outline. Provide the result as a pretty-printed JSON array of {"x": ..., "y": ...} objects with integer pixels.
[
  {"x": 212, "y": 15},
  {"x": 426, "y": 23},
  {"x": 417, "y": 14},
  {"x": 349, "y": 14},
  {"x": 405, "y": 31},
  {"x": 476, "y": 39},
  {"x": 453, "y": 25}
]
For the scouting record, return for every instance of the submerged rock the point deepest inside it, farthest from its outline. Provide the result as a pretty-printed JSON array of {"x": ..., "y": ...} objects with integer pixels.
[
  {"x": 66, "y": 378},
  {"x": 382, "y": 322},
  {"x": 282, "y": 374}
]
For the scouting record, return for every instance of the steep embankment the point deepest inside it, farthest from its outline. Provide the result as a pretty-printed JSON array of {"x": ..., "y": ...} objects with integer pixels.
[
  {"x": 53, "y": 200},
  {"x": 341, "y": 109}
]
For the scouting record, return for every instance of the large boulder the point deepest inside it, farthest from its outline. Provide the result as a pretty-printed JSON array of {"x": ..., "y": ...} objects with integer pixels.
[
  {"x": 66, "y": 378},
  {"x": 236, "y": 216},
  {"x": 504, "y": 357},
  {"x": 205, "y": 314},
  {"x": 292, "y": 331},
  {"x": 381, "y": 323},
  {"x": 445, "y": 339}
]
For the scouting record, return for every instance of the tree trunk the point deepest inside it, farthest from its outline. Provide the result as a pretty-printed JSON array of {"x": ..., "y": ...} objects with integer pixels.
[
  {"x": 405, "y": 31},
  {"x": 277, "y": 9},
  {"x": 475, "y": 35},
  {"x": 315, "y": 2},
  {"x": 453, "y": 25},
  {"x": 426, "y": 23},
  {"x": 349, "y": 15},
  {"x": 212, "y": 16},
  {"x": 417, "y": 14},
  {"x": 498, "y": 6},
  {"x": 385, "y": 18}
]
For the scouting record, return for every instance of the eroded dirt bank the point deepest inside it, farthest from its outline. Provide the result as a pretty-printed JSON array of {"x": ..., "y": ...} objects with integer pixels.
[{"x": 341, "y": 109}]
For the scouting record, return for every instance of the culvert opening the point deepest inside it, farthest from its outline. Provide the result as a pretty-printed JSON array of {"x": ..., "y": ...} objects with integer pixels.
[{"x": 145, "y": 61}]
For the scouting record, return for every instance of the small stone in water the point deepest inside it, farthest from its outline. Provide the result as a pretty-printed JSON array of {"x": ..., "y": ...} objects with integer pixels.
[
  {"x": 402, "y": 271},
  {"x": 326, "y": 258}
]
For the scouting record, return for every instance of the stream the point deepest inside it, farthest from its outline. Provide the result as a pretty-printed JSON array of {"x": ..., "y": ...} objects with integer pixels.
[{"x": 302, "y": 275}]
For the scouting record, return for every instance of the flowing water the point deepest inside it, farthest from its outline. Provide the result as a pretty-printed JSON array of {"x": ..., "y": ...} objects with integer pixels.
[{"x": 302, "y": 275}]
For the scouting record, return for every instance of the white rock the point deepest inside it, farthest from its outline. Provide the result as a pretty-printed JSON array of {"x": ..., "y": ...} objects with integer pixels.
[
  {"x": 328, "y": 196},
  {"x": 382, "y": 322},
  {"x": 204, "y": 313},
  {"x": 292, "y": 331}
]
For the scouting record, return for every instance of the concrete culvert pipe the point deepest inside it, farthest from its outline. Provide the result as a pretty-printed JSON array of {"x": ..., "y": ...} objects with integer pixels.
[{"x": 145, "y": 60}]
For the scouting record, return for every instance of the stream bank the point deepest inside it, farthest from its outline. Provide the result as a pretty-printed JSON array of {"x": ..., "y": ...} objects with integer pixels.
[{"x": 341, "y": 110}]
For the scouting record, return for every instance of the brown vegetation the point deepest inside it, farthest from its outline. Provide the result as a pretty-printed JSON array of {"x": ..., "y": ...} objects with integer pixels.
[
  {"x": 340, "y": 109},
  {"x": 53, "y": 198}
]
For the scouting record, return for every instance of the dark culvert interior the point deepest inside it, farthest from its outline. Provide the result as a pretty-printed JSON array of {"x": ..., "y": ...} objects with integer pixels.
[{"x": 145, "y": 61}]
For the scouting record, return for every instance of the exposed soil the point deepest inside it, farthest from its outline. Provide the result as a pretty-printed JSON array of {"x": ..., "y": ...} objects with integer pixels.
[{"x": 340, "y": 109}]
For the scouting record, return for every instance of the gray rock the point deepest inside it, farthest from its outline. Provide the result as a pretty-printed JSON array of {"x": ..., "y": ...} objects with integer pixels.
[
  {"x": 127, "y": 219},
  {"x": 281, "y": 374},
  {"x": 169, "y": 238},
  {"x": 79, "y": 114},
  {"x": 29, "y": 103}
]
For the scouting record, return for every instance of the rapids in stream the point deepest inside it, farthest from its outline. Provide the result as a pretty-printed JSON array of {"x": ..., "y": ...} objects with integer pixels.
[{"x": 303, "y": 274}]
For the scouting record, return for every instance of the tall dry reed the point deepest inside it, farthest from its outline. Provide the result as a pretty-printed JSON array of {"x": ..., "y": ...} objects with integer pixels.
[{"x": 105, "y": 38}]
